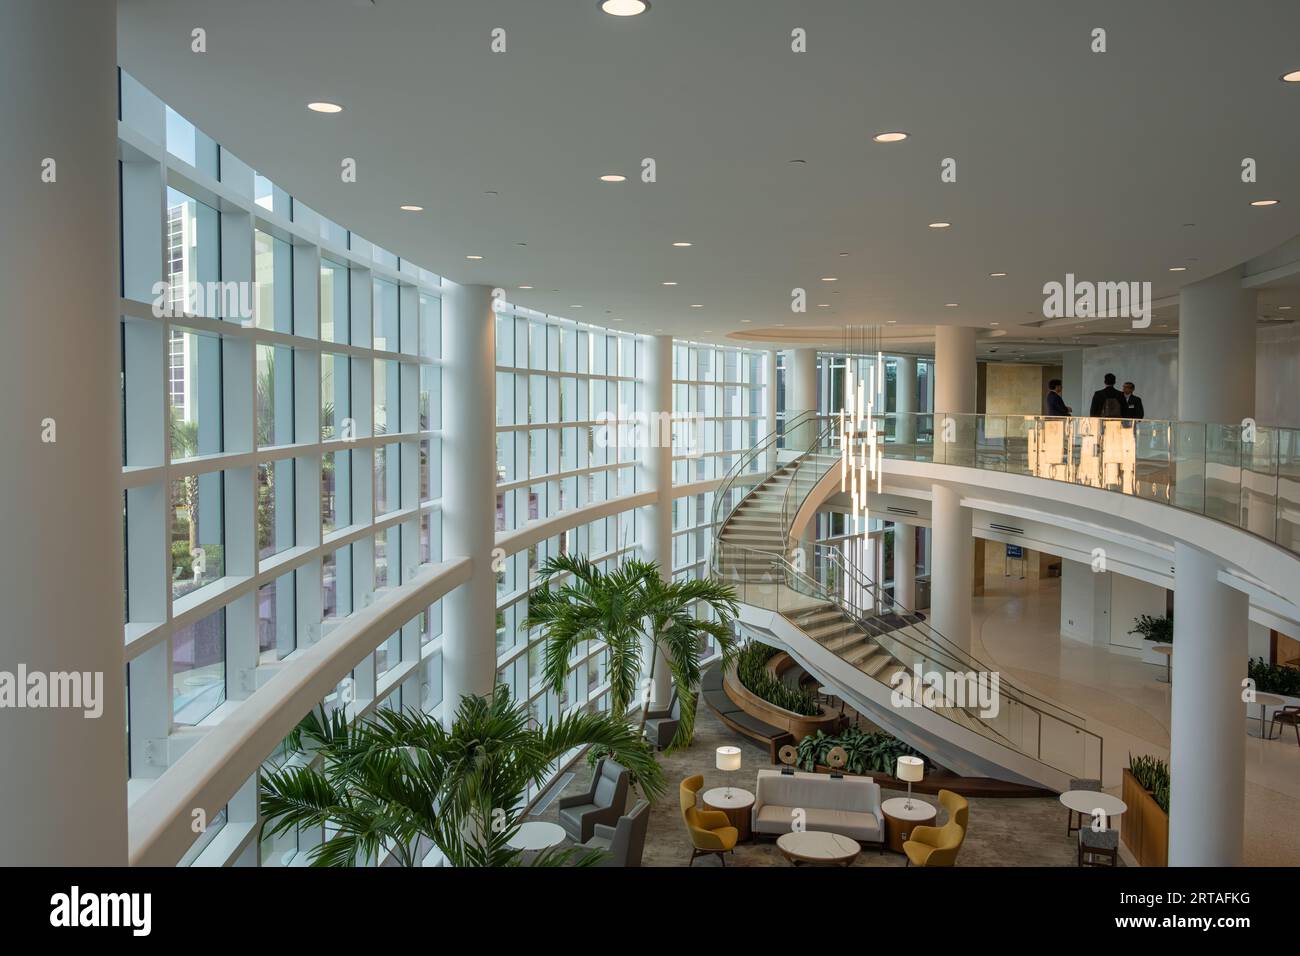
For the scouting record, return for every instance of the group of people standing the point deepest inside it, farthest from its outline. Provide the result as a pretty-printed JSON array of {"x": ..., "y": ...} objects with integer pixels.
[{"x": 1107, "y": 402}]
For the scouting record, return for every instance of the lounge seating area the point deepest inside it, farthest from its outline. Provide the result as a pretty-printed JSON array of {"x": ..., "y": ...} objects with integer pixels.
[{"x": 849, "y": 806}]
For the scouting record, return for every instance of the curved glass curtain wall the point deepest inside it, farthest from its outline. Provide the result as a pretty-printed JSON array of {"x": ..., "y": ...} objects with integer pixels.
[
  {"x": 281, "y": 409},
  {"x": 301, "y": 471}
]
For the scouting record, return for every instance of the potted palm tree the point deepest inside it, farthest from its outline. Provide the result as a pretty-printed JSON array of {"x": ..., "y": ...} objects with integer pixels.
[
  {"x": 400, "y": 782},
  {"x": 628, "y": 608}
]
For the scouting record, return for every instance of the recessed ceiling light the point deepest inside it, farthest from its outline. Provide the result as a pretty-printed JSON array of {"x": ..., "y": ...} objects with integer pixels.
[
  {"x": 1178, "y": 268},
  {"x": 410, "y": 207},
  {"x": 613, "y": 178},
  {"x": 940, "y": 225},
  {"x": 893, "y": 321},
  {"x": 708, "y": 331},
  {"x": 658, "y": 330},
  {"x": 950, "y": 305},
  {"x": 995, "y": 323},
  {"x": 798, "y": 162},
  {"x": 525, "y": 287},
  {"x": 746, "y": 321},
  {"x": 474, "y": 257},
  {"x": 780, "y": 325},
  {"x": 830, "y": 278},
  {"x": 624, "y": 8},
  {"x": 681, "y": 245},
  {"x": 696, "y": 305},
  {"x": 324, "y": 107},
  {"x": 670, "y": 283},
  {"x": 843, "y": 254},
  {"x": 823, "y": 305},
  {"x": 1265, "y": 202},
  {"x": 575, "y": 307},
  {"x": 1284, "y": 308},
  {"x": 1292, "y": 77},
  {"x": 894, "y": 137},
  {"x": 491, "y": 192},
  {"x": 996, "y": 275}
]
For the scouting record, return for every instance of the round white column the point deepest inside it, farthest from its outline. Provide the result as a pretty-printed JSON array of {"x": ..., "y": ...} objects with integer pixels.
[
  {"x": 469, "y": 490},
  {"x": 905, "y": 400},
  {"x": 769, "y": 405},
  {"x": 63, "y": 787},
  {"x": 952, "y": 556},
  {"x": 801, "y": 395},
  {"x": 955, "y": 370},
  {"x": 952, "y": 565},
  {"x": 657, "y": 468},
  {"x": 1207, "y": 760},
  {"x": 905, "y": 565},
  {"x": 1216, "y": 350}
]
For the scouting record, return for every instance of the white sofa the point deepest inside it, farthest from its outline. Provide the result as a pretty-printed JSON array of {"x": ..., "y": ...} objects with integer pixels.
[{"x": 849, "y": 806}]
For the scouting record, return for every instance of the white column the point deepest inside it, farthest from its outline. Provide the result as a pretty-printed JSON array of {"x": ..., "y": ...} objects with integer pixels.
[
  {"x": 1216, "y": 350},
  {"x": 905, "y": 565},
  {"x": 905, "y": 400},
  {"x": 657, "y": 467},
  {"x": 952, "y": 556},
  {"x": 1207, "y": 761},
  {"x": 801, "y": 394},
  {"x": 469, "y": 490},
  {"x": 952, "y": 565},
  {"x": 769, "y": 404},
  {"x": 63, "y": 786}
]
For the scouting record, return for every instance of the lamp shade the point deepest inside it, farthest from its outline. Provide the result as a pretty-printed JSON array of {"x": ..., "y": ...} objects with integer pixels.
[
  {"x": 910, "y": 769},
  {"x": 728, "y": 758}
]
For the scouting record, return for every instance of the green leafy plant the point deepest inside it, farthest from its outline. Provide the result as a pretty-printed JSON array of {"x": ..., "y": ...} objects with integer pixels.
[
  {"x": 1274, "y": 678},
  {"x": 1152, "y": 775},
  {"x": 752, "y": 672},
  {"x": 627, "y": 608},
  {"x": 868, "y": 751},
  {"x": 393, "y": 780},
  {"x": 1158, "y": 629}
]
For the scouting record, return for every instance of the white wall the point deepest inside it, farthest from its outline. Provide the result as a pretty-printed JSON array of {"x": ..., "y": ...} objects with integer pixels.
[
  {"x": 1153, "y": 368},
  {"x": 1130, "y": 598},
  {"x": 1085, "y": 603}
]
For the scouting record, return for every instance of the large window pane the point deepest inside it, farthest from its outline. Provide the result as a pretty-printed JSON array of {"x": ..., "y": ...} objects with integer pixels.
[
  {"x": 199, "y": 669},
  {"x": 197, "y": 533}
]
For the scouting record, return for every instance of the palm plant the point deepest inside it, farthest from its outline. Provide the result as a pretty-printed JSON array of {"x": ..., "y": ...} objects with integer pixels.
[
  {"x": 395, "y": 780},
  {"x": 624, "y": 607}
]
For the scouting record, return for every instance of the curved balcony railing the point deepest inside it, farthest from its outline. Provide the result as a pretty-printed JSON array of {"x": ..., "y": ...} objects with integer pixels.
[
  {"x": 753, "y": 468},
  {"x": 1246, "y": 475}
]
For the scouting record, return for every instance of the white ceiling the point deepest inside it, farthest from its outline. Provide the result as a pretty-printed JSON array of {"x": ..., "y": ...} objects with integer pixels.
[{"x": 1067, "y": 160}]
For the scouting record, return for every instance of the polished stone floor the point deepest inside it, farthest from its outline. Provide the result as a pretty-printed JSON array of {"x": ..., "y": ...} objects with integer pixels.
[
  {"x": 1002, "y": 832},
  {"x": 1017, "y": 628}
]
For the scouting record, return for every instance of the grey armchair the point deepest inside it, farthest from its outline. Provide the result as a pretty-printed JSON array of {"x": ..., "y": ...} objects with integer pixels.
[
  {"x": 603, "y": 802},
  {"x": 661, "y": 725},
  {"x": 624, "y": 842}
]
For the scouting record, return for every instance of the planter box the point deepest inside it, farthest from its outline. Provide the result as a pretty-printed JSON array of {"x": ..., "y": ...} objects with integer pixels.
[
  {"x": 796, "y": 724},
  {"x": 1144, "y": 827}
]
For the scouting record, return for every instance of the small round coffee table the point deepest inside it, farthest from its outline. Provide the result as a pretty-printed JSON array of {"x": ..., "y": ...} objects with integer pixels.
[
  {"x": 900, "y": 821},
  {"x": 817, "y": 846},
  {"x": 736, "y": 804}
]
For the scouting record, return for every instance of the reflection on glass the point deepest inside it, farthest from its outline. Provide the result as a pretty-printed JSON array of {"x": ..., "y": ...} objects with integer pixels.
[
  {"x": 275, "y": 529},
  {"x": 334, "y": 315},
  {"x": 199, "y": 669},
  {"x": 197, "y": 532},
  {"x": 273, "y": 273},
  {"x": 276, "y": 607},
  {"x": 194, "y": 393},
  {"x": 336, "y": 490},
  {"x": 192, "y": 258},
  {"x": 386, "y": 316},
  {"x": 274, "y": 396}
]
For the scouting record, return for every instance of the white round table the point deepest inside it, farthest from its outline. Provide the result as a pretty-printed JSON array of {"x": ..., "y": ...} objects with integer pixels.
[
  {"x": 736, "y": 804},
  {"x": 817, "y": 846},
  {"x": 900, "y": 821},
  {"x": 1265, "y": 701},
  {"x": 537, "y": 835},
  {"x": 1088, "y": 802}
]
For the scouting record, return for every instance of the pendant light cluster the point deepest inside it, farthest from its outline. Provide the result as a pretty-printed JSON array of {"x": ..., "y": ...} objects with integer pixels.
[{"x": 861, "y": 443}]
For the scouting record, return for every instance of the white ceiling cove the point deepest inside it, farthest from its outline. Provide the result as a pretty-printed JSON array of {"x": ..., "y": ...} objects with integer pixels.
[{"x": 1113, "y": 166}]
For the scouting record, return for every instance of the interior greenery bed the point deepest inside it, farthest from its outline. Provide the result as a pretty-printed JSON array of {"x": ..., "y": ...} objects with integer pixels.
[
  {"x": 751, "y": 671},
  {"x": 868, "y": 751},
  {"x": 1274, "y": 678}
]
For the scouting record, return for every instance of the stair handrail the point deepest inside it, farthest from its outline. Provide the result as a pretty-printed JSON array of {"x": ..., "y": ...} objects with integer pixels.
[
  {"x": 771, "y": 443},
  {"x": 815, "y": 588},
  {"x": 928, "y": 633}
]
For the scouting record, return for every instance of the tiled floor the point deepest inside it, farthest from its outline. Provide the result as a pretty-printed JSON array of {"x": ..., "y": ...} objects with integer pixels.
[
  {"x": 1017, "y": 628},
  {"x": 1002, "y": 832}
]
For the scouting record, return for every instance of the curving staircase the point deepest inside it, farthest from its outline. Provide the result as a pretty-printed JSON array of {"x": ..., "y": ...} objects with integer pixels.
[{"x": 846, "y": 631}]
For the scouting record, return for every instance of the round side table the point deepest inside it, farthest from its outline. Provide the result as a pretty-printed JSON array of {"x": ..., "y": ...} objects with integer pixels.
[
  {"x": 736, "y": 804},
  {"x": 900, "y": 821}
]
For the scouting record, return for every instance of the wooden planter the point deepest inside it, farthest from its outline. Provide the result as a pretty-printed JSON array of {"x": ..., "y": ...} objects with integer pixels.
[
  {"x": 1144, "y": 827},
  {"x": 796, "y": 724}
]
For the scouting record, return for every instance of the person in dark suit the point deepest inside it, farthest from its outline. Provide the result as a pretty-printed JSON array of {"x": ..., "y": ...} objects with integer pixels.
[
  {"x": 1132, "y": 404},
  {"x": 1107, "y": 402},
  {"x": 1054, "y": 405}
]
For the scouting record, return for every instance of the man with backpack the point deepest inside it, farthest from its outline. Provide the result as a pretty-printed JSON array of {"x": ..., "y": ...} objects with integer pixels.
[{"x": 1107, "y": 402}]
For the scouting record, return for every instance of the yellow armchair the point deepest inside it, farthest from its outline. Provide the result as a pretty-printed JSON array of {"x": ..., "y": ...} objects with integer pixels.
[
  {"x": 710, "y": 830},
  {"x": 938, "y": 846}
]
